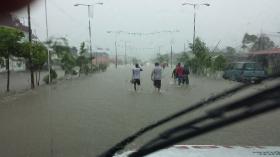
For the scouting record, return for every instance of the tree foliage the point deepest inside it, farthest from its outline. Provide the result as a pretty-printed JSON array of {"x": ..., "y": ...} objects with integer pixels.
[
  {"x": 183, "y": 58},
  {"x": 202, "y": 58},
  {"x": 263, "y": 43},
  {"x": 248, "y": 39},
  {"x": 82, "y": 60},
  {"x": 203, "y": 61},
  {"x": 68, "y": 63},
  {"x": 219, "y": 63},
  {"x": 162, "y": 58},
  {"x": 255, "y": 43},
  {"x": 230, "y": 50},
  {"x": 53, "y": 76},
  {"x": 10, "y": 39},
  {"x": 60, "y": 46},
  {"x": 37, "y": 51}
]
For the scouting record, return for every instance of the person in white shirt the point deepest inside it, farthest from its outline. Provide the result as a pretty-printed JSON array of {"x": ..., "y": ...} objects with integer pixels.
[
  {"x": 136, "y": 76},
  {"x": 156, "y": 76}
]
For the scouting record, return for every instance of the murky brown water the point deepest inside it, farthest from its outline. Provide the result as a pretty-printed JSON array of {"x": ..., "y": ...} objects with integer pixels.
[{"x": 83, "y": 117}]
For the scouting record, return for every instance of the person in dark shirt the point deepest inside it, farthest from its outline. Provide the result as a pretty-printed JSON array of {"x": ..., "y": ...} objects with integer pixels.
[
  {"x": 174, "y": 76},
  {"x": 180, "y": 73},
  {"x": 186, "y": 74}
]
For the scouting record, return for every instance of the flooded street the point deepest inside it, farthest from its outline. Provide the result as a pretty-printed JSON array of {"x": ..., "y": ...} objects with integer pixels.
[{"x": 83, "y": 117}]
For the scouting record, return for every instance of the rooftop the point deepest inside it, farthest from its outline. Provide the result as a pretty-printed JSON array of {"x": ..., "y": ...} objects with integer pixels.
[{"x": 266, "y": 52}]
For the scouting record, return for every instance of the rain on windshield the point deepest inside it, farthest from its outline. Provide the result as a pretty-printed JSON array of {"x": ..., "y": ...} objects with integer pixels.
[{"x": 78, "y": 76}]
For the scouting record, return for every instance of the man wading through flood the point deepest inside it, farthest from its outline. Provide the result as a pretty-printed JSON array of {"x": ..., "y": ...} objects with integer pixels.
[
  {"x": 136, "y": 76},
  {"x": 156, "y": 76}
]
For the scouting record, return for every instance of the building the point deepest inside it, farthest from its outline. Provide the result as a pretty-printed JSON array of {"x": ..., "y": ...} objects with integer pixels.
[
  {"x": 101, "y": 58},
  {"x": 270, "y": 59},
  {"x": 16, "y": 64}
]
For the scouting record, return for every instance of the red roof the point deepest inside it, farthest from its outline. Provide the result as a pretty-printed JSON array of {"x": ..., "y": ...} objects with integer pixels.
[{"x": 266, "y": 52}]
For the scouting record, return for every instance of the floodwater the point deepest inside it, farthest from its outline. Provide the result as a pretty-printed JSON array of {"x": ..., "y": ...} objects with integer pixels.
[{"x": 85, "y": 116}]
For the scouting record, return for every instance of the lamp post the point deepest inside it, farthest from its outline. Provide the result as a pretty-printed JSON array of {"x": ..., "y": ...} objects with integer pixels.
[
  {"x": 89, "y": 29},
  {"x": 194, "y": 16},
  {"x": 116, "y": 49},
  {"x": 31, "y": 53},
  {"x": 47, "y": 38},
  {"x": 125, "y": 51}
]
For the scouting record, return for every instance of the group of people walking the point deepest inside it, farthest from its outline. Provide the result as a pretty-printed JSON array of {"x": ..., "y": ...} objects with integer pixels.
[
  {"x": 180, "y": 75},
  {"x": 156, "y": 76}
]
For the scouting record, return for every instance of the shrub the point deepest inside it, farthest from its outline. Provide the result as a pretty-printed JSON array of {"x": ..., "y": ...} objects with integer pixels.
[
  {"x": 103, "y": 67},
  {"x": 53, "y": 76}
]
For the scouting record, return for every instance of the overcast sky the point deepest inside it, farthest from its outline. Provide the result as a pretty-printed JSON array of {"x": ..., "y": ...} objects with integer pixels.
[{"x": 224, "y": 20}]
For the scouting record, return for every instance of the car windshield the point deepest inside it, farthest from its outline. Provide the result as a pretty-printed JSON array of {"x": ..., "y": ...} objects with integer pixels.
[
  {"x": 238, "y": 65},
  {"x": 78, "y": 76},
  {"x": 253, "y": 66}
]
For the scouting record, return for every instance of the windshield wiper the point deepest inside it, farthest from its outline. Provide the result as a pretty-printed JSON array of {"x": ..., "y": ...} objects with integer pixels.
[
  {"x": 120, "y": 146},
  {"x": 228, "y": 114}
]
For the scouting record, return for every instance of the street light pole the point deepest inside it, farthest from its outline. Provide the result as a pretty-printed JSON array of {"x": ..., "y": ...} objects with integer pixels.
[
  {"x": 47, "y": 38},
  {"x": 116, "y": 50},
  {"x": 171, "y": 56},
  {"x": 125, "y": 59},
  {"x": 194, "y": 19},
  {"x": 30, "y": 41},
  {"x": 90, "y": 32},
  {"x": 90, "y": 42}
]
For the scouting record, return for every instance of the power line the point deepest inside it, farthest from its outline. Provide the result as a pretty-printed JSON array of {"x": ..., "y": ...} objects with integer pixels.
[{"x": 60, "y": 9}]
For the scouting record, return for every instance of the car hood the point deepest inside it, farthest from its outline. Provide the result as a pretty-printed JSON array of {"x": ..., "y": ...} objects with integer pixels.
[{"x": 214, "y": 151}]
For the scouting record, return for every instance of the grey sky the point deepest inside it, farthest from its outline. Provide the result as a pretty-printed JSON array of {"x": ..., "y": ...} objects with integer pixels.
[{"x": 225, "y": 20}]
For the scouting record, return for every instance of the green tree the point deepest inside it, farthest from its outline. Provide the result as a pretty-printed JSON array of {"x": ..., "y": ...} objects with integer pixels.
[
  {"x": 263, "y": 43},
  {"x": 39, "y": 58},
  {"x": 162, "y": 58},
  {"x": 10, "y": 39},
  {"x": 38, "y": 54},
  {"x": 68, "y": 63},
  {"x": 60, "y": 46},
  {"x": 82, "y": 61},
  {"x": 53, "y": 76},
  {"x": 230, "y": 50},
  {"x": 255, "y": 43},
  {"x": 202, "y": 58},
  {"x": 248, "y": 40},
  {"x": 219, "y": 63},
  {"x": 183, "y": 58}
]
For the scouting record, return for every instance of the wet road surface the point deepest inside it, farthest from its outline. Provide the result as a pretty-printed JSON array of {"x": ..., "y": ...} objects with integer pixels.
[{"x": 83, "y": 117}]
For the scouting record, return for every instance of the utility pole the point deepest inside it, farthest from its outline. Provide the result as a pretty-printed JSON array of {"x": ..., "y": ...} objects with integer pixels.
[
  {"x": 116, "y": 50},
  {"x": 171, "y": 56},
  {"x": 90, "y": 42},
  {"x": 194, "y": 17},
  {"x": 47, "y": 36},
  {"x": 89, "y": 29},
  {"x": 125, "y": 59},
  {"x": 30, "y": 41}
]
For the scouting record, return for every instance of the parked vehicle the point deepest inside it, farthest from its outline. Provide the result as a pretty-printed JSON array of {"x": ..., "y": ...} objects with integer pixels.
[{"x": 251, "y": 72}]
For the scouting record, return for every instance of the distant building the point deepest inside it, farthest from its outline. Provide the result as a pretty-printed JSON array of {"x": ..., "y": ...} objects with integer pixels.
[
  {"x": 270, "y": 59},
  {"x": 16, "y": 64},
  {"x": 101, "y": 58}
]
